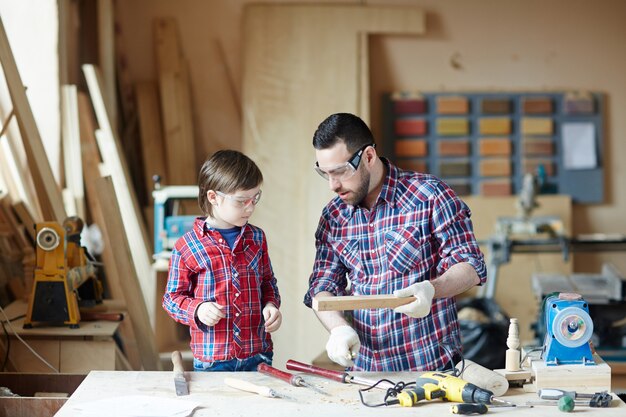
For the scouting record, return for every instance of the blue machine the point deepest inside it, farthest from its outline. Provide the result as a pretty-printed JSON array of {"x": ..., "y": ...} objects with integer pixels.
[
  {"x": 169, "y": 223},
  {"x": 568, "y": 330}
]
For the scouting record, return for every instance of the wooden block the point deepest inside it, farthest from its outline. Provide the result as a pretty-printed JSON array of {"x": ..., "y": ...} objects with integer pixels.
[
  {"x": 496, "y": 167},
  {"x": 494, "y": 147},
  {"x": 453, "y": 147},
  {"x": 537, "y": 126},
  {"x": 409, "y": 106},
  {"x": 537, "y": 105},
  {"x": 496, "y": 106},
  {"x": 452, "y": 105},
  {"x": 578, "y": 103},
  {"x": 411, "y": 147},
  {"x": 411, "y": 127},
  {"x": 455, "y": 169},
  {"x": 416, "y": 165},
  {"x": 579, "y": 378},
  {"x": 530, "y": 166},
  {"x": 537, "y": 146},
  {"x": 494, "y": 126},
  {"x": 452, "y": 127},
  {"x": 357, "y": 302},
  {"x": 495, "y": 188}
]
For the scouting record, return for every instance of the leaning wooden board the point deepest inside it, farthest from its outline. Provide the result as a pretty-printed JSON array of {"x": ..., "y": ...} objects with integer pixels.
[{"x": 217, "y": 399}]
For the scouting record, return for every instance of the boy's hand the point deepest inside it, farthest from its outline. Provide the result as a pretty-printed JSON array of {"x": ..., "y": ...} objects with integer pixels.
[
  {"x": 210, "y": 313},
  {"x": 273, "y": 317}
]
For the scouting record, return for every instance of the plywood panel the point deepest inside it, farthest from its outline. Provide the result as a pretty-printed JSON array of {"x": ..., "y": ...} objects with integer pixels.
[{"x": 302, "y": 63}]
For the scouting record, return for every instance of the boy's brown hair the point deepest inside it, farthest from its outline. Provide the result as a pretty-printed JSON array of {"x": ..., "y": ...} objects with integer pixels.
[{"x": 226, "y": 171}]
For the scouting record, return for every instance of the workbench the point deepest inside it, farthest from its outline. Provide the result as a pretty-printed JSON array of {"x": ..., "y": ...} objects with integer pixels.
[
  {"x": 75, "y": 351},
  {"x": 217, "y": 399}
]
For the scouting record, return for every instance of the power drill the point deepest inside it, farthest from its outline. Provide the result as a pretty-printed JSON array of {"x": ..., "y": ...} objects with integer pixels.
[{"x": 451, "y": 388}]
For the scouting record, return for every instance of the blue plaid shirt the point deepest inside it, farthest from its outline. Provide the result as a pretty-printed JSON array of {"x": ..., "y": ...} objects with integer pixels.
[{"x": 415, "y": 232}]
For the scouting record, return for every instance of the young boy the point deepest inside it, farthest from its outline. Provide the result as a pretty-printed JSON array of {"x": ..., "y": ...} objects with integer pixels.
[{"x": 221, "y": 282}]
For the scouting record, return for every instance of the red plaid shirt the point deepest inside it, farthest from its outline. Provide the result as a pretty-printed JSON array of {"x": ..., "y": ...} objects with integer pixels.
[
  {"x": 203, "y": 268},
  {"x": 416, "y": 231}
]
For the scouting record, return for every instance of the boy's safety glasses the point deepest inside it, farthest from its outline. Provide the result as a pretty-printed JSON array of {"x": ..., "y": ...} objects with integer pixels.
[{"x": 241, "y": 202}]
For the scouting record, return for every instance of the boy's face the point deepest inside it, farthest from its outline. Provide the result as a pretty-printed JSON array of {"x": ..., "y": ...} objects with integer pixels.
[{"x": 234, "y": 209}]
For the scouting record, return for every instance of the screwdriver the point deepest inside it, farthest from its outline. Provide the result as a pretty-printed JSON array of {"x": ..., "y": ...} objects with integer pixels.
[
  {"x": 468, "y": 408},
  {"x": 555, "y": 394},
  {"x": 295, "y": 380}
]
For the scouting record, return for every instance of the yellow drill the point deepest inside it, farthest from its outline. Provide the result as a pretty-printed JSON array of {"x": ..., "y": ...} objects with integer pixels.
[{"x": 451, "y": 388}]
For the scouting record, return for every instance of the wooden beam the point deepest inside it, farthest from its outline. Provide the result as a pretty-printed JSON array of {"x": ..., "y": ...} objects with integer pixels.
[
  {"x": 358, "y": 302},
  {"x": 71, "y": 149},
  {"x": 48, "y": 192},
  {"x": 111, "y": 152},
  {"x": 121, "y": 247},
  {"x": 151, "y": 135}
]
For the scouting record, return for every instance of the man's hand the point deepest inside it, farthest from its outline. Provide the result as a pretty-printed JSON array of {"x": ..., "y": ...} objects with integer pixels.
[
  {"x": 210, "y": 313},
  {"x": 423, "y": 292},
  {"x": 343, "y": 344},
  {"x": 273, "y": 317}
]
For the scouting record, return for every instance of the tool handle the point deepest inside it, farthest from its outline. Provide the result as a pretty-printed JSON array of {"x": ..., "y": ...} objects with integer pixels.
[
  {"x": 250, "y": 387},
  {"x": 277, "y": 373},
  {"x": 468, "y": 409},
  {"x": 177, "y": 363},
  {"x": 554, "y": 394},
  {"x": 311, "y": 369}
]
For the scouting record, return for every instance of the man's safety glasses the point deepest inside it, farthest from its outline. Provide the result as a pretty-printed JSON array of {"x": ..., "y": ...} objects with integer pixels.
[
  {"x": 241, "y": 202},
  {"x": 343, "y": 171}
]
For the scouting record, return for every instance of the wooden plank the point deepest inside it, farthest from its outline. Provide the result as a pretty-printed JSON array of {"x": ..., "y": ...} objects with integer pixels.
[
  {"x": 91, "y": 161},
  {"x": 72, "y": 164},
  {"x": 274, "y": 68},
  {"x": 151, "y": 134},
  {"x": 130, "y": 282},
  {"x": 358, "y": 302},
  {"x": 134, "y": 227},
  {"x": 83, "y": 356},
  {"x": 176, "y": 104},
  {"x": 579, "y": 378},
  {"x": 48, "y": 192},
  {"x": 106, "y": 57}
]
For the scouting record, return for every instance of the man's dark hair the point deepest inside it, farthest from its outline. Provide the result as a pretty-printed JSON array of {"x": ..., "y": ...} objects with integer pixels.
[
  {"x": 344, "y": 127},
  {"x": 227, "y": 171}
]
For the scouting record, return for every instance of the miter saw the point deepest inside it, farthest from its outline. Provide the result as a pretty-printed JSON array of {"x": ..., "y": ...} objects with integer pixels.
[
  {"x": 65, "y": 276},
  {"x": 568, "y": 330}
]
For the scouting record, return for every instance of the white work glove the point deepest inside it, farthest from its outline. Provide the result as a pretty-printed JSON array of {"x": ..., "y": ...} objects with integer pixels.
[
  {"x": 272, "y": 316},
  {"x": 343, "y": 344},
  {"x": 210, "y": 313},
  {"x": 423, "y": 292}
]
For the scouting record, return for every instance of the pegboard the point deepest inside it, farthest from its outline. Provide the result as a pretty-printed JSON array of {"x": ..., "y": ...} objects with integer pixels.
[{"x": 482, "y": 143}]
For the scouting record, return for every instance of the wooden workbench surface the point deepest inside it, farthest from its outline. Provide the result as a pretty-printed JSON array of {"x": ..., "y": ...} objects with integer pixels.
[
  {"x": 86, "y": 328},
  {"x": 217, "y": 399}
]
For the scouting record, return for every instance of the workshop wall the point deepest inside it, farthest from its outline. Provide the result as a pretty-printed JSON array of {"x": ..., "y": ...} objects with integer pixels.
[{"x": 520, "y": 44}]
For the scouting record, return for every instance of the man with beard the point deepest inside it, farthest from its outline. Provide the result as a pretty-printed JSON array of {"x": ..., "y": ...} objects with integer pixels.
[{"x": 389, "y": 231}]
